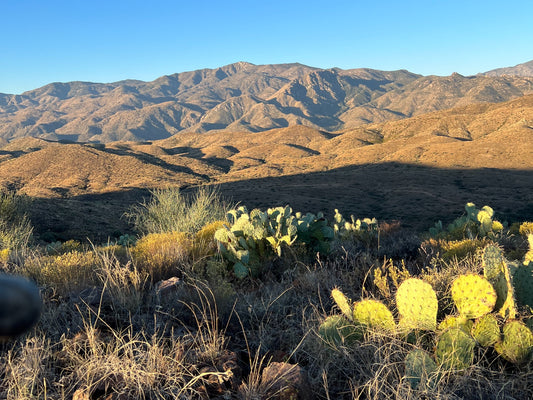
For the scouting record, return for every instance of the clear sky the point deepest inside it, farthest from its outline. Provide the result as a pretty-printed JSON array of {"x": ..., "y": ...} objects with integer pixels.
[{"x": 46, "y": 41}]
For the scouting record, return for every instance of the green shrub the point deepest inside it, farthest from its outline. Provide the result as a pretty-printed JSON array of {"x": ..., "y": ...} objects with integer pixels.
[{"x": 169, "y": 210}]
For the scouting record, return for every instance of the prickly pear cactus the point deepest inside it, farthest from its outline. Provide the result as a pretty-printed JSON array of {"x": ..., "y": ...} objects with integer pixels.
[
  {"x": 473, "y": 295},
  {"x": 517, "y": 343},
  {"x": 486, "y": 330},
  {"x": 343, "y": 303},
  {"x": 523, "y": 284},
  {"x": 373, "y": 314},
  {"x": 493, "y": 262},
  {"x": 528, "y": 259},
  {"x": 496, "y": 270},
  {"x": 337, "y": 330},
  {"x": 455, "y": 349},
  {"x": 417, "y": 305},
  {"x": 459, "y": 322},
  {"x": 420, "y": 370}
]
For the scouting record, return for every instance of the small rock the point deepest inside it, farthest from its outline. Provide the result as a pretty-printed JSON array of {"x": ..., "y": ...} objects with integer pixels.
[
  {"x": 168, "y": 286},
  {"x": 284, "y": 381}
]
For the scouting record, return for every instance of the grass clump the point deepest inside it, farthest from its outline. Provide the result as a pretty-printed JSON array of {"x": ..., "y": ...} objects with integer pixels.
[
  {"x": 15, "y": 227},
  {"x": 169, "y": 210},
  {"x": 162, "y": 254}
]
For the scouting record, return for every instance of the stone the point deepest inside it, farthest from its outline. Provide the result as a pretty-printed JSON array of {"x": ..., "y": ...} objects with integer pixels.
[{"x": 284, "y": 381}]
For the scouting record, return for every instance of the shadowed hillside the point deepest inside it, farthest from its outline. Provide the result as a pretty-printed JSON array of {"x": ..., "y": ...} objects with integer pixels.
[{"x": 414, "y": 194}]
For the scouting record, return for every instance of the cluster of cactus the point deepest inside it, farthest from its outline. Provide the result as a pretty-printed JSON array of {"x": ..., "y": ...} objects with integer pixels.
[
  {"x": 314, "y": 232},
  {"x": 513, "y": 281},
  {"x": 249, "y": 239},
  {"x": 476, "y": 223},
  {"x": 477, "y": 321},
  {"x": 362, "y": 229}
]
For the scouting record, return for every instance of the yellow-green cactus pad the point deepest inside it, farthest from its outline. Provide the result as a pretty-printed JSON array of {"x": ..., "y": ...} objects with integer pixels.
[
  {"x": 517, "y": 343},
  {"x": 373, "y": 314},
  {"x": 486, "y": 330},
  {"x": 473, "y": 295},
  {"x": 455, "y": 349},
  {"x": 417, "y": 305},
  {"x": 492, "y": 262},
  {"x": 342, "y": 302},
  {"x": 456, "y": 322}
]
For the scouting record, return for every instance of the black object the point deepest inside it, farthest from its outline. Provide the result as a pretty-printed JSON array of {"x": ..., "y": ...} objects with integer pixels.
[{"x": 20, "y": 305}]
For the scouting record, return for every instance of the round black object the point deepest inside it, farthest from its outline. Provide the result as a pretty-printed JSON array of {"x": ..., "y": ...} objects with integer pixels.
[{"x": 20, "y": 305}]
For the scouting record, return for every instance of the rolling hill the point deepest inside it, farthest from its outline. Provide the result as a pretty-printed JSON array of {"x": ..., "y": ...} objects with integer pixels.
[{"x": 424, "y": 166}]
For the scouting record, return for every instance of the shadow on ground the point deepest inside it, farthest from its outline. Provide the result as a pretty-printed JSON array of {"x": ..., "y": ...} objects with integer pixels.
[{"x": 416, "y": 195}]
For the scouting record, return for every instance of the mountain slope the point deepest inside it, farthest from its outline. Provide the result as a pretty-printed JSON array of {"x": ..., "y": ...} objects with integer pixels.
[
  {"x": 496, "y": 135},
  {"x": 240, "y": 97},
  {"x": 524, "y": 69}
]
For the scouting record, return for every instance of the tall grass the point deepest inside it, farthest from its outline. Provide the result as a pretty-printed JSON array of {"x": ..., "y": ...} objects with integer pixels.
[
  {"x": 169, "y": 210},
  {"x": 15, "y": 227}
]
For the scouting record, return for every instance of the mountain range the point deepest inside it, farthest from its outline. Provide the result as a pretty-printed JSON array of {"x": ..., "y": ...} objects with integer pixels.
[{"x": 243, "y": 97}]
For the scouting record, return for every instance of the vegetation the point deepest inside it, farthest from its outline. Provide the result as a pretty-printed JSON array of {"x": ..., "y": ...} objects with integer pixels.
[{"x": 205, "y": 301}]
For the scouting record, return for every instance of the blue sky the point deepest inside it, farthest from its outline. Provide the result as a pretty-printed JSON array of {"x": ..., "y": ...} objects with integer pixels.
[{"x": 47, "y": 41}]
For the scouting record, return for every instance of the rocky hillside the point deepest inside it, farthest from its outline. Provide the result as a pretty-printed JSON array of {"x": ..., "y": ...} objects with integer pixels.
[
  {"x": 241, "y": 97},
  {"x": 525, "y": 69}
]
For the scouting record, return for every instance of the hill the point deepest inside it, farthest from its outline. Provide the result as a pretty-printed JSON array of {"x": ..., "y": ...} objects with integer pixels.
[
  {"x": 524, "y": 69},
  {"x": 241, "y": 97},
  {"x": 444, "y": 158}
]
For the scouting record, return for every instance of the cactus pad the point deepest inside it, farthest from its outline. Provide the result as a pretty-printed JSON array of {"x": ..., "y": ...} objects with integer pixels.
[
  {"x": 517, "y": 342},
  {"x": 456, "y": 322},
  {"x": 342, "y": 302},
  {"x": 455, "y": 349},
  {"x": 473, "y": 295},
  {"x": 523, "y": 284},
  {"x": 486, "y": 330},
  {"x": 374, "y": 314},
  {"x": 420, "y": 369},
  {"x": 417, "y": 305},
  {"x": 337, "y": 330},
  {"x": 492, "y": 262}
]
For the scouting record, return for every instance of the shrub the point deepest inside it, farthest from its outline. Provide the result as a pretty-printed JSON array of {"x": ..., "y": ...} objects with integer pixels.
[
  {"x": 65, "y": 272},
  {"x": 204, "y": 243},
  {"x": 15, "y": 227},
  {"x": 526, "y": 228},
  {"x": 170, "y": 211},
  {"x": 161, "y": 254}
]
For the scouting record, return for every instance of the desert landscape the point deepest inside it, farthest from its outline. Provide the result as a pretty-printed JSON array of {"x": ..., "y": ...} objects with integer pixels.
[{"x": 250, "y": 232}]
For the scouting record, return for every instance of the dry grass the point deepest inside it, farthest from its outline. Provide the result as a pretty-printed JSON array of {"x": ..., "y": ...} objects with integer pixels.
[{"x": 213, "y": 336}]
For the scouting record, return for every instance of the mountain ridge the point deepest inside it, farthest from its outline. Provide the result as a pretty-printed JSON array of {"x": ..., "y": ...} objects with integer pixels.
[{"x": 241, "y": 97}]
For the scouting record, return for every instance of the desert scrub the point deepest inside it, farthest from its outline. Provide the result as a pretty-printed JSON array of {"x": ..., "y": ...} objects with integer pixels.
[
  {"x": 15, "y": 227},
  {"x": 458, "y": 249},
  {"x": 162, "y": 255},
  {"x": 169, "y": 210},
  {"x": 64, "y": 272},
  {"x": 204, "y": 243}
]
